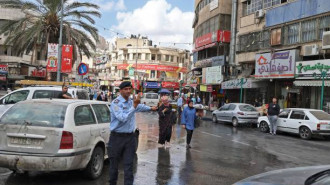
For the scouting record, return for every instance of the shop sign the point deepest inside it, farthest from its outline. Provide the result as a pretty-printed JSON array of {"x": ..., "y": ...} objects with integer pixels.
[
  {"x": 223, "y": 36},
  {"x": 116, "y": 83},
  {"x": 3, "y": 78},
  {"x": 216, "y": 36},
  {"x": 214, "y": 4},
  {"x": 66, "y": 63},
  {"x": 213, "y": 75},
  {"x": 101, "y": 60},
  {"x": 37, "y": 72},
  {"x": 174, "y": 85},
  {"x": 206, "y": 88},
  {"x": 153, "y": 67},
  {"x": 278, "y": 65},
  {"x": 237, "y": 84},
  {"x": 209, "y": 88},
  {"x": 312, "y": 69},
  {"x": 3, "y": 69},
  {"x": 151, "y": 85},
  {"x": 214, "y": 61},
  {"x": 52, "y": 57}
]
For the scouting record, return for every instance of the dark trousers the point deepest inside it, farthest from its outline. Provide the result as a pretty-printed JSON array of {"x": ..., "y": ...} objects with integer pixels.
[
  {"x": 121, "y": 146},
  {"x": 165, "y": 135},
  {"x": 189, "y": 135}
]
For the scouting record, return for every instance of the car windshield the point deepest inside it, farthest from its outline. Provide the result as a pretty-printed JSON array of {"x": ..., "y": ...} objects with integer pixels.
[
  {"x": 320, "y": 115},
  {"x": 152, "y": 96},
  {"x": 247, "y": 108},
  {"x": 35, "y": 114}
]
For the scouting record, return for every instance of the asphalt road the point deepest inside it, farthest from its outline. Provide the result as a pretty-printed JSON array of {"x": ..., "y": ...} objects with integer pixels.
[{"x": 220, "y": 154}]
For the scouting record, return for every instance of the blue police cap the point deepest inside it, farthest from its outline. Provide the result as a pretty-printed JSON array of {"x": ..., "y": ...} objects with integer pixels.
[{"x": 125, "y": 84}]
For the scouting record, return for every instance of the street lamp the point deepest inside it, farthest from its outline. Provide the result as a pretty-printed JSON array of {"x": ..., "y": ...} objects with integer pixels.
[
  {"x": 59, "y": 59},
  {"x": 323, "y": 76}
]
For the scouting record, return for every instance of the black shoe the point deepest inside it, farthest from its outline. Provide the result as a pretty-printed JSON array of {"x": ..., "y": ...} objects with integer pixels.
[{"x": 188, "y": 146}]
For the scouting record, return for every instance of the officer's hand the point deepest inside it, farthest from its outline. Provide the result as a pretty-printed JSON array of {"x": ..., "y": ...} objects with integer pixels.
[
  {"x": 136, "y": 100},
  {"x": 154, "y": 108},
  {"x": 184, "y": 126}
]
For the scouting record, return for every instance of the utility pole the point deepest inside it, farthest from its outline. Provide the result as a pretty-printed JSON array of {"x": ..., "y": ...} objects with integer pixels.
[
  {"x": 59, "y": 59},
  {"x": 136, "y": 57},
  {"x": 233, "y": 34}
]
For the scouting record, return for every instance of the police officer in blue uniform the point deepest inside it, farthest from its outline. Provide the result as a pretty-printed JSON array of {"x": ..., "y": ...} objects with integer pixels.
[{"x": 122, "y": 138}]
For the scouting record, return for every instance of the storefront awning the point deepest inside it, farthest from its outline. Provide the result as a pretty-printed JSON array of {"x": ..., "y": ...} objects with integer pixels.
[{"x": 314, "y": 83}]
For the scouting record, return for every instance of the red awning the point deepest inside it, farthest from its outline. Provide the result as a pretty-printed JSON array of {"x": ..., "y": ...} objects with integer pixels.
[{"x": 210, "y": 45}]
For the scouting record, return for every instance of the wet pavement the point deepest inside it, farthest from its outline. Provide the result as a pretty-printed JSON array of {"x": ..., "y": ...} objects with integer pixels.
[{"x": 220, "y": 154}]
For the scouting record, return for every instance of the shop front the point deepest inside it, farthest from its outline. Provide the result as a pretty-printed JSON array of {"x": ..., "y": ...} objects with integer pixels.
[
  {"x": 309, "y": 76},
  {"x": 279, "y": 68}
]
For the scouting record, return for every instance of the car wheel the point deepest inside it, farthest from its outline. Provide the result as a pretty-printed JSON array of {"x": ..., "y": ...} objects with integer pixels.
[
  {"x": 95, "y": 166},
  {"x": 305, "y": 133},
  {"x": 264, "y": 127},
  {"x": 235, "y": 122},
  {"x": 214, "y": 118}
]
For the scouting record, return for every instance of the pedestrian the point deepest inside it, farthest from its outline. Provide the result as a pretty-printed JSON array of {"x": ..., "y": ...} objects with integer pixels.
[
  {"x": 91, "y": 93},
  {"x": 193, "y": 99},
  {"x": 64, "y": 94},
  {"x": 179, "y": 103},
  {"x": 165, "y": 122},
  {"x": 199, "y": 100},
  {"x": 122, "y": 142},
  {"x": 188, "y": 121},
  {"x": 96, "y": 94},
  {"x": 256, "y": 103},
  {"x": 273, "y": 112},
  {"x": 99, "y": 97}
]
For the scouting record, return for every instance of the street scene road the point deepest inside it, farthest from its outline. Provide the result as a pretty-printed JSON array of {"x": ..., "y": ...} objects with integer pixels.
[{"x": 220, "y": 154}]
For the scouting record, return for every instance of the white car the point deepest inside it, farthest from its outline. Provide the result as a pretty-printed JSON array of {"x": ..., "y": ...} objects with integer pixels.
[
  {"x": 39, "y": 92},
  {"x": 55, "y": 135},
  {"x": 150, "y": 99},
  {"x": 305, "y": 122}
]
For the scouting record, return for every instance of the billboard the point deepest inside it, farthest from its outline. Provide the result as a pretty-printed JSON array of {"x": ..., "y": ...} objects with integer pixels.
[
  {"x": 66, "y": 63},
  {"x": 52, "y": 56},
  {"x": 312, "y": 69}
]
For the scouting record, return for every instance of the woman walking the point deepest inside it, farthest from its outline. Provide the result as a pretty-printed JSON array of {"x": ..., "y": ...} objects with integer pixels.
[
  {"x": 165, "y": 122},
  {"x": 188, "y": 121}
]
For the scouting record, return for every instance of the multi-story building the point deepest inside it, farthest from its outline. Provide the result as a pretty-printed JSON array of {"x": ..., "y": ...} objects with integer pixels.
[
  {"x": 155, "y": 66},
  {"x": 279, "y": 43},
  {"x": 212, "y": 24}
]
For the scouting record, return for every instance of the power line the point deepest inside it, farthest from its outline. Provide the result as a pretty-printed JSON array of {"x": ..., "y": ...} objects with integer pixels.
[{"x": 122, "y": 34}]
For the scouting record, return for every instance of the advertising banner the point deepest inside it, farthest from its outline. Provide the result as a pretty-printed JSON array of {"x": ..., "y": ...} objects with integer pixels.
[
  {"x": 312, "y": 69},
  {"x": 151, "y": 85},
  {"x": 66, "y": 63},
  {"x": 3, "y": 69},
  {"x": 211, "y": 62},
  {"x": 236, "y": 84},
  {"x": 174, "y": 85},
  {"x": 213, "y": 75},
  {"x": 37, "y": 72},
  {"x": 153, "y": 67},
  {"x": 52, "y": 57},
  {"x": 278, "y": 65}
]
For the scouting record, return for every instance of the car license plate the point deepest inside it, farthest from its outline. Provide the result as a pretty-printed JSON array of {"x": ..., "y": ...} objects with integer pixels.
[
  {"x": 24, "y": 141},
  {"x": 325, "y": 127}
]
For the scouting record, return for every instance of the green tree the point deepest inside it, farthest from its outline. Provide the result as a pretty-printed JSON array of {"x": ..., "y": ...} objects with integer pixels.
[{"x": 41, "y": 25}]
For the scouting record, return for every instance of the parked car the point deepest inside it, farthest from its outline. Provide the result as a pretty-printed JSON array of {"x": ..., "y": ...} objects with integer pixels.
[
  {"x": 38, "y": 92},
  {"x": 150, "y": 99},
  {"x": 236, "y": 113},
  {"x": 310, "y": 175},
  {"x": 305, "y": 122},
  {"x": 55, "y": 135}
]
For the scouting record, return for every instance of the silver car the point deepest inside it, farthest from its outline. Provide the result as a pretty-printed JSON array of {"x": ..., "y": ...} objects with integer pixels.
[
  {"x": 236, "y": 113},
  {"x": 55, "y": 135}
]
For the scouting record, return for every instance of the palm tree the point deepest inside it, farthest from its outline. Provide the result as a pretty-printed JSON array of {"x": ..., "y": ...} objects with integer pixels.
[{"x": 41, "y": 25}]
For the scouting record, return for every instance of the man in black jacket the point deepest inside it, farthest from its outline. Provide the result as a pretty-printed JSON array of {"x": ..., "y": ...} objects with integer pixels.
[{"x": 273, "y": 112}]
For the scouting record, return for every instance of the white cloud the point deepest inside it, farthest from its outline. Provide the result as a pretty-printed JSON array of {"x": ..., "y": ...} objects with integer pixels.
[
  {"x": 120, "y": 5},
  {"x": 158, "y": 20},
  {"x": 107, "y": 6}
]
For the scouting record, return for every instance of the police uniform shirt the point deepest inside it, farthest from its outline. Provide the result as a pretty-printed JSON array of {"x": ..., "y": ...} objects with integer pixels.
[{"x": 123, "y": 115}]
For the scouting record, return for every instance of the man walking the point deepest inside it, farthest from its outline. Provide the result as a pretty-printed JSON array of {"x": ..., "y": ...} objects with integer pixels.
[
  {"x": 122, "y": 142},
  {"x": 273, "y": 112},
  {"x": 180, "y": 104}
]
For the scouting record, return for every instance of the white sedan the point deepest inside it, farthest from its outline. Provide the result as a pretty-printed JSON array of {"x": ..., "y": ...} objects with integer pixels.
[{"x": 305, "y": 122}]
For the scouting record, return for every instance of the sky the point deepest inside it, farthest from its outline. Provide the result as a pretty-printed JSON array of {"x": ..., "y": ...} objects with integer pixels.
[{"x": 163, "y": 21}]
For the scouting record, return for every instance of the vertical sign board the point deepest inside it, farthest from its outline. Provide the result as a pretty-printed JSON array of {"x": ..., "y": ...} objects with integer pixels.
[
  {"x": 52, "y": 57},
  {"x": 66, "y": 64}
]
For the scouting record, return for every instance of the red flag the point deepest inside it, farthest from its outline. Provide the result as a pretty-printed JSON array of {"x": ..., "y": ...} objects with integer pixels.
[{"x": 66, "y": 63}]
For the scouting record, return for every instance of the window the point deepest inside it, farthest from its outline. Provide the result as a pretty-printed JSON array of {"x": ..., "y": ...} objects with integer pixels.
[
  {"x": 151, "y": 96},
  {"x": 247, "y": 108},
  {"x": 232, "y": 107},
  {"x": 308, "y": 29},
  {"x": 320, "y": 115},
  {"x": 17, "y": 97},
  {"x": 147, "y": 56},
  {"x": 292, "y": 33},
  {"x": 83, "y": 115},
  {"x": 45, "y": 94},
  {"x": 133, "y": 56},
  {"x": 276, "y": 36},
  {"x": 324, "y": 25},
  {"x": 139, "y": 56},
  {"x": 172, "y": 58},
  {"x": 284, "y": 114},
  {"x": 224, "y": 108},
  {"x": 270, "y": 3},
  {"x": 36, "y": 114},
  {"x": 152, "y": 74},
  {"x": 102, "y": 113},
  {"x": 167, "y": 58},
  {"x": 159, "y": 57},
  {"x": 297, "y": 115},
  {"x": 153, "y": 57},
  {"x": 82, "y": 95},
  {"x": 253, "y": 5}
]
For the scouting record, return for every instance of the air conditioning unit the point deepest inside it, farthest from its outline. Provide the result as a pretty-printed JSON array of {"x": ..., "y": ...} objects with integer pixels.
[
  {"x": 310, "y": 50},
  {"x": 326, "y": 40},
  {"x": 259, "y": 14}
]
